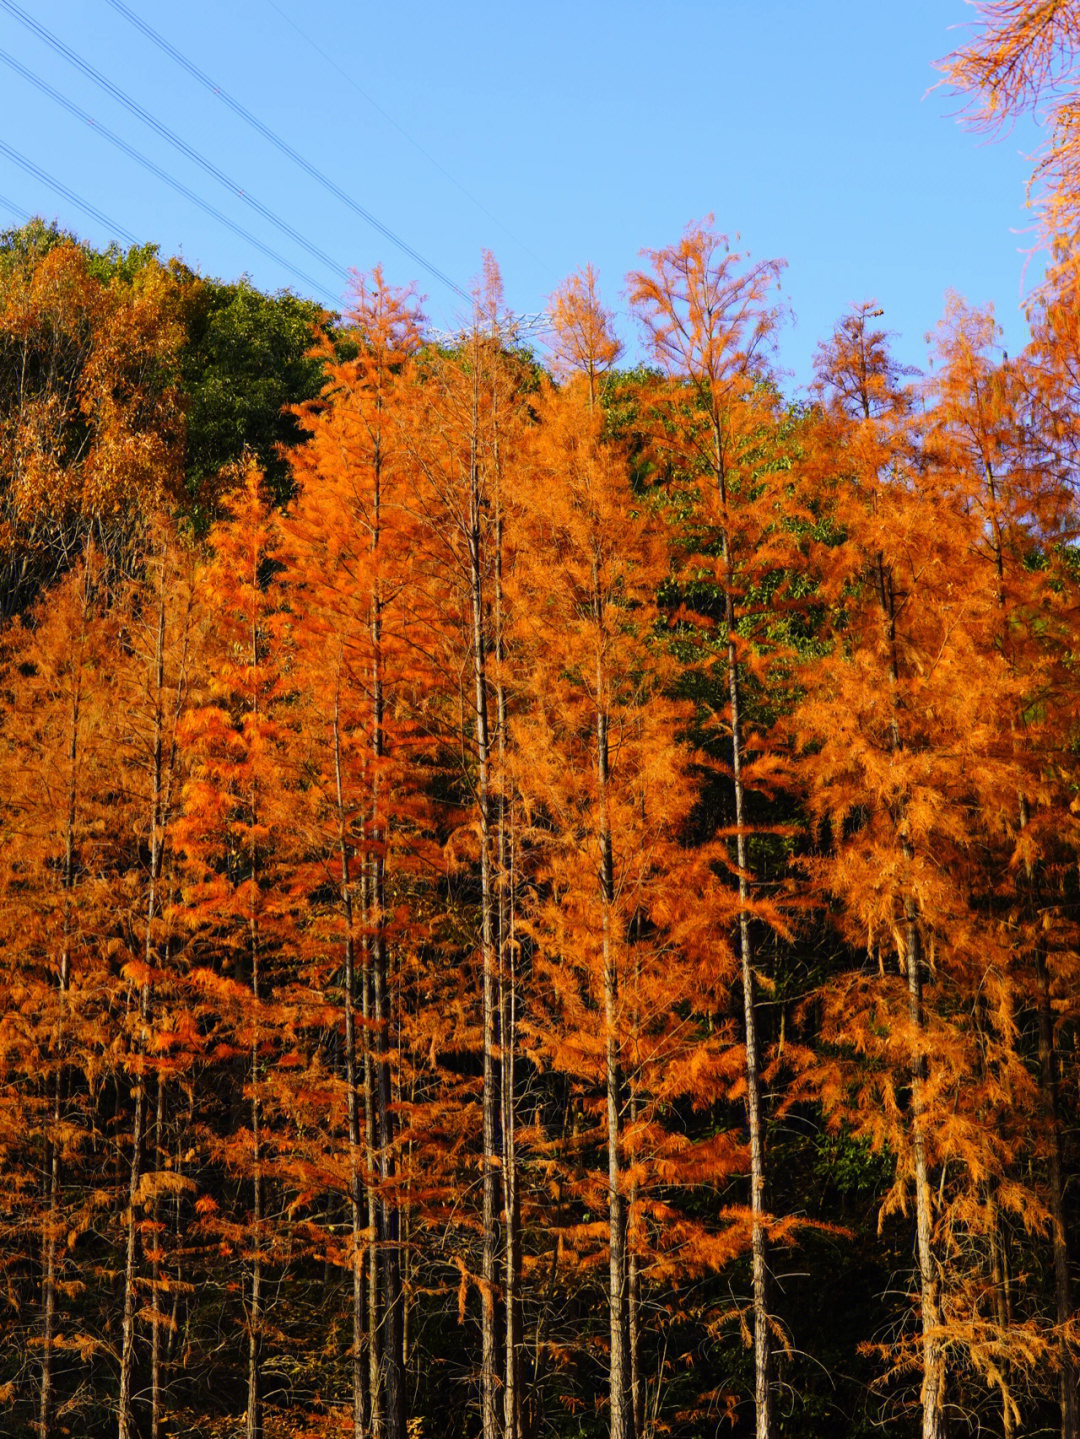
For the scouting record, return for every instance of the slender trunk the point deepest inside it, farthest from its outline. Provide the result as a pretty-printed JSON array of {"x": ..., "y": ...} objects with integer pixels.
[
  {"x": 637, "y": 1385},
  {"x": 360, "y": 1420},
  {"x": 619, "y": 1380},
  {"x": 762, "y": 1347},
  {"x": 511, "y": 1218},
  {"x": 371, "y": 1167},
  {"x": 50, "y": 1263},
  {"x": 155, "y": 1276},
  {"x": 1001, "y": 1309},
  {"x": 754, "y": 1108},
  {"x": 127, "y": 1350},
  {"x": 1070, "y": 1415},
  {"x": 507, "y": 997},
  {"x": 1048, "y": 1084},
  {"x": 49, "y": 1257},
  {"x": 177, "y": 1230},
  {"x": 389, "y": 1227},
  {"x": 253, "y": 1427},
  {"x": 933, "y": 1385},
  {"x": 933, "y": 1358},
  {"x": 511, "y": 1213},
  {"x": 157, "y": 755},
  {"x": 999, "y": 1283},
  {"x": 491, "y": 1096}
]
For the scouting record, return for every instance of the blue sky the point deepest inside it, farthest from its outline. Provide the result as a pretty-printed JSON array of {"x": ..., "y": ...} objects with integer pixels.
[{"x": 552, "y": 134}]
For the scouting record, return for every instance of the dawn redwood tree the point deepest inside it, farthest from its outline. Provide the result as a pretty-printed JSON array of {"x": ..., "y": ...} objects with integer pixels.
[
  {"x": 462, "y": 441},
  {"x": 57, "y": 901},
  {"x": 233, "y": 838},
  {"x": 709, "y": 319},
  {"x": 986, "y": 432},
  {"x": 1051, "y": 373},
  {"x": 503, "y": 374},
  {"x": 157, "y": 619},
  {"x": 905, "y": 727},
  {"x": 351, "y": 538},
  {"x": 621, "y": 955},
  {"x": 583, "y": 341}
]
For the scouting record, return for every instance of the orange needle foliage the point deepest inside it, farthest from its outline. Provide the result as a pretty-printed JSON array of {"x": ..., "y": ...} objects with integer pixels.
[
  {"x": 607, "y": 788},
  {"x": 415, "y": 905},
  {"x": 907, "y": 730},
  {"x": 1022, "y": 60}
]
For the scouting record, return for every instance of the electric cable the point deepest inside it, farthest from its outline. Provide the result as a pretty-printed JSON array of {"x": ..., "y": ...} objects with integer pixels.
[
  {"x": 350, "y": 80},
  {"x": 55, "y": 43},
  {"x": 70, "y": 195},
  {"x": 155, "y": 169},
  {"x": 23, "y": 215},
  {"x": 282, "y": 145}
]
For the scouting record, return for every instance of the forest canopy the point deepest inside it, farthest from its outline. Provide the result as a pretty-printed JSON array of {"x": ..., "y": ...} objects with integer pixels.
[{"x": 539, "y": 896}]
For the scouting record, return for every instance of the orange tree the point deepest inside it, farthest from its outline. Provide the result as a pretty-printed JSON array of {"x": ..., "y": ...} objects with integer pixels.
[
  {"x": 714, "y": 432},
  {"x": 906, "y": 726},
  {"x": 628, "y": 980}
]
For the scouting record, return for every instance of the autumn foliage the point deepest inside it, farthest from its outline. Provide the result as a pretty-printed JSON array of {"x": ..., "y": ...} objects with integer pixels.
[{"x": 559, "y": 916}]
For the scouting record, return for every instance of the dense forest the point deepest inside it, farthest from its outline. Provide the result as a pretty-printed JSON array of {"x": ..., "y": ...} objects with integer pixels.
[{"x": 540, "y": 897}]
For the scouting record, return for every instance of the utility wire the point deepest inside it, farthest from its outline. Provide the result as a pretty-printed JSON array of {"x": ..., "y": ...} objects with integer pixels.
[
  {"x": 349, "y": 80},
  {"x": 16, "y": 209},
  {"x": 166, "y": 134},
  {"x": 283, "y": 145},
  {"x": 54, "y": 184},
  {"x": 156, "y": 169}
]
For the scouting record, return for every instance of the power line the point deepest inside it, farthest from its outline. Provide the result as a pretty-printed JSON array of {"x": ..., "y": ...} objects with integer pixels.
[
  {"x": 47, "y": 179},
  {"x": 349, "y": 80},
  {"x": 170, "y": 136},
  {"x": 283, "y": 145},
  {"x": 16, "y": 209},
  {"x": 156, "y": 169}
]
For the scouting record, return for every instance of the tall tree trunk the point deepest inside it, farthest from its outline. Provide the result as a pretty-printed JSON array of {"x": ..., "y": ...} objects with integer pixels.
[
  {"x": 127, "y": 1342},
  {"x": 253, "y": 1425},
  {"x": 49, "y": 1241},
  {"x": 393, "y": 1375},
  {"x": 511, "y": 1195},
  {"x": 933, "y": 1385},
  {"x": 1048, "y": 1085},
  {"x": 489, "y": 1380},
  {"x": 621, "y": 1419},
  {"x": 371, "y": 1167},
  {"x": 253, "y": 1418},
  {"x": 51, "y": 1249},
  {"x": 155, "y": 1274},
  {"x": 507, "y": 986},
  {"x": 762, "y": 1346},
  {"x": 1070, "y": 1415},
  {"x": 511, "y": 1217},
  {"x": 754, "y": 1109},
  {"x": 511, "y": 1214},
  {"x": 637, "y": 1385},
  {"x": 388, "y": 1229},
  {"x": 157, "y": 818},
  {"x": 360, "y": 1409},
  {"x": 1002, "y": 1316},
  {"x": 933, "y": 1357}
]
